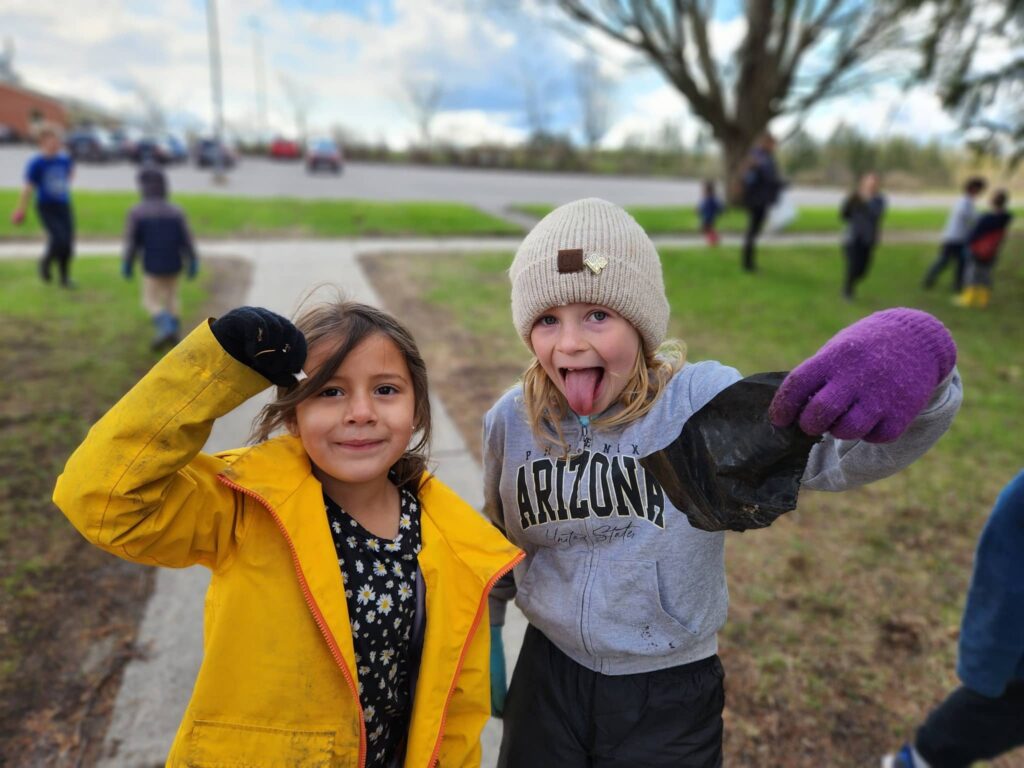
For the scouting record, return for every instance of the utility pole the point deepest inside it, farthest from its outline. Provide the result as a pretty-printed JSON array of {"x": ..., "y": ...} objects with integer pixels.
[
  {"x": 215, "y": 88},
  {"x": 259, "y": 70}
]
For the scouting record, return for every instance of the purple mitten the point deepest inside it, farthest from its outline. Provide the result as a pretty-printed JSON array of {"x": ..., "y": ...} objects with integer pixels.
[{"x": 870, "y": 380}]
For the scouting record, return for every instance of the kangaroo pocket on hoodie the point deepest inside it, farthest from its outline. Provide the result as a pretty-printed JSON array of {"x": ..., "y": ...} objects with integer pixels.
[{"x": 625, "y": 614}]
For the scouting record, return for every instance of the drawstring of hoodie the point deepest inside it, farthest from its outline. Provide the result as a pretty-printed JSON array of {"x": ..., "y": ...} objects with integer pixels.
[{"x": 584, "y": 433}]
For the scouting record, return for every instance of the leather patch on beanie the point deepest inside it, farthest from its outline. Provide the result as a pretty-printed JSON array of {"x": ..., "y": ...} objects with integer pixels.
[{"x": 570, "y": 260}]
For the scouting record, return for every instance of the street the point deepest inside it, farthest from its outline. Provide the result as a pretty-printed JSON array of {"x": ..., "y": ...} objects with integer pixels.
[{"x": 490, "y": 190}]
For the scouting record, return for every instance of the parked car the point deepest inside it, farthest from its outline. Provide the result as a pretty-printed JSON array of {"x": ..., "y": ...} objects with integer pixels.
[
  {"x": 91, "y": 144},
  {"x": 208, "y": 152},
  {"x": 151, "y": 149},
  {"x": 175, "y": 147},
  {"x": 324, "y": 154},
  {"x": 125, "y": 138},
  {"x": 285, "y": 149}
]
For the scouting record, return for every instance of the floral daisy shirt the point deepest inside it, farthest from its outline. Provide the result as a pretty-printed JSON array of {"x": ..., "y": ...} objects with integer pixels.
[{"x": 380, "y": 587}]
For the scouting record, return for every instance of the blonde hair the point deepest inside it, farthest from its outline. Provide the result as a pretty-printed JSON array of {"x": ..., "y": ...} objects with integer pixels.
[
  {"x": 546, "y": 406},
  {"x": 344, "y": 325}
]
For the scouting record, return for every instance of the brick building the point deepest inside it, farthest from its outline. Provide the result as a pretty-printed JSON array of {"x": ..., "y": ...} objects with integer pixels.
[{"x": 21, "y": 108}]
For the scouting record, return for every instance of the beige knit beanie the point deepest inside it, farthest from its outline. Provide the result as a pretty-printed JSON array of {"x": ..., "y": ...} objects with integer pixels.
[{"x": 592, "y": 252}]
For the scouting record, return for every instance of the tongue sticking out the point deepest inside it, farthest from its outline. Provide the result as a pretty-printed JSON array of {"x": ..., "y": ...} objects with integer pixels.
[{"x": 581, "y": 389}]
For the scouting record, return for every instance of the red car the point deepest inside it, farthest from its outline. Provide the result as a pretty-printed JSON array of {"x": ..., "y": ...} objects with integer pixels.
[{"x": 285, "y": 149}]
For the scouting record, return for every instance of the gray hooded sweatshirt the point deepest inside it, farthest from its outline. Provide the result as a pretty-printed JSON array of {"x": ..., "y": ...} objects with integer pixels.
[{"x": 614, "y": 575}]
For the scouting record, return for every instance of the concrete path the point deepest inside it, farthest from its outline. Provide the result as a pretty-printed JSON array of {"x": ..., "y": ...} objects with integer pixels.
[{"x": 157, "y": 686}]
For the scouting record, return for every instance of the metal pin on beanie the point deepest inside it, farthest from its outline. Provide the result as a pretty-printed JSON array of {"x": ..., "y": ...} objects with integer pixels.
[{"x": 593, "y": 252}]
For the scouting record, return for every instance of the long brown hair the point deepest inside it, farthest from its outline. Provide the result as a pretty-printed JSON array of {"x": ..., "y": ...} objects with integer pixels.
[{"x": 345, "y": 325}]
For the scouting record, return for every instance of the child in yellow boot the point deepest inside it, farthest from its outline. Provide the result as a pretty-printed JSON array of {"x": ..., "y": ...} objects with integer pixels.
[{"x": 982, "y": 248}]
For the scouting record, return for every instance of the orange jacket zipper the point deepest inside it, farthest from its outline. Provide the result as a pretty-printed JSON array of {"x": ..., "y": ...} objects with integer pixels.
[
  {"x": 318, "y": 617},
  {"x": 462, "y": 656}
]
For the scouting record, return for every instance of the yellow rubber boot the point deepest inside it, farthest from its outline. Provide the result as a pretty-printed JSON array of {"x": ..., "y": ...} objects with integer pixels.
[
  {"x": 981, "y": 296},
  {"x": 966, "y": 297}
]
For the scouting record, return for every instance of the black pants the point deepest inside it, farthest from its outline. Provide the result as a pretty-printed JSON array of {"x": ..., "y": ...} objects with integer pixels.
[
  {"x": 858, "y": 261},
  {"x": 60, "y": 242},
  {"x": 559, "y": 714},
  {"x": 756, "y": 215},
  {"x": 951, "y": 252},
  {"x": 968, "y": 726}
]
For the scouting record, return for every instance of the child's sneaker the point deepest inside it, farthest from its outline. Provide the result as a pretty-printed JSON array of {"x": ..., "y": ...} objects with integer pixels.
[{"x": 907, "y": 757}]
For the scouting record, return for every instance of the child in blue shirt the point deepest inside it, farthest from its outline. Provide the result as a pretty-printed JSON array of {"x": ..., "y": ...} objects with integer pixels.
[
  {"x": 984, "y": 717},
  {"x": 48, "y": 175},
  {"x": 709, "y": 209}
]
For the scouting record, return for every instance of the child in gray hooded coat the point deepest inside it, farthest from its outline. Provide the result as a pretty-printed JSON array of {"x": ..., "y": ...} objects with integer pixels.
[{"x": 624, "y": 596}]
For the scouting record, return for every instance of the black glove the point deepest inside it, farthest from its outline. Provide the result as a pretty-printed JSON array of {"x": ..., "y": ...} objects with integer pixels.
[{"x": 264, "y": 341}]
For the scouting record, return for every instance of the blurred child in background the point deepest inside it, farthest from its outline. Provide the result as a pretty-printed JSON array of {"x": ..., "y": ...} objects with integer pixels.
[
  {"x": 954, "y": 237},
  {"x": 159, "y": 230},
  {"x": 983, "y": 245},
  {"x": 862, "y": 211},
  {"x": 709, "y": 209},
  {"x": 48, "y": 176}
]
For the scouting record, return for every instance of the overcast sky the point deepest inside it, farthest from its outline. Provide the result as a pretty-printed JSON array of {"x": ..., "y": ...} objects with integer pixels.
[{"x": 350, "y": 61}]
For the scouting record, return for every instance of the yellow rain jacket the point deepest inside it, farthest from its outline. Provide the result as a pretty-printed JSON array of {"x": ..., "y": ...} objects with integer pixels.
[{"x": 278, "y": 685}]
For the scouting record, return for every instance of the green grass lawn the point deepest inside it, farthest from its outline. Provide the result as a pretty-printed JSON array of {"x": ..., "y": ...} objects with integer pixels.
[
  {"x": 842, "y": 630},
  {"x": 102, "y": 214},
  {"x": 65, "y": 357},
  {"x": 668, "y": 220}
]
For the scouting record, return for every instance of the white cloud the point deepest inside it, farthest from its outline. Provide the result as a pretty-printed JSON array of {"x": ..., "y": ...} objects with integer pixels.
[
  {"x": 472, "y": 126},
  {"x": 887, "y": 111},
  {"x": 646, "y": 114},
  {"x": 353, "y": 67}
]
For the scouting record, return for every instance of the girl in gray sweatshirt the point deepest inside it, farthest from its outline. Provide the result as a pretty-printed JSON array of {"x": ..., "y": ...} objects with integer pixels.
[{"x": 624, "y": 596}]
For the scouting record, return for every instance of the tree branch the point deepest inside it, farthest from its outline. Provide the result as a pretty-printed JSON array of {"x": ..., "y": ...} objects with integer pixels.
[
  {"x": 669, "y": 58},
  {"x": 757, "y": 81},
  {"x": 698, "y": 28},
  {"x": 853, "y": 50}
]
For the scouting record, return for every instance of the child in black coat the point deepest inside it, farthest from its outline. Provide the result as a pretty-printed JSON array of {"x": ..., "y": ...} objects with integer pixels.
[{"x": 159, "y": 230}]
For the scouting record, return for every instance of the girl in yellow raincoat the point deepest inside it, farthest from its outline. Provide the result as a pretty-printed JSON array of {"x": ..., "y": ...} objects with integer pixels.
[{"x": 330, "y": 545}]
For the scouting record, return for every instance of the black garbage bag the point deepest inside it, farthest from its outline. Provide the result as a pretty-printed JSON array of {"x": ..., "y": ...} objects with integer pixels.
[{"x": 730, "y": 469}]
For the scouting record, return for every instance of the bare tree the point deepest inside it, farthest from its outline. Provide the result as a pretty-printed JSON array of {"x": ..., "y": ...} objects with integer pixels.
[
  {"x": 301, "y": 100},
  {"x": 423, "y": 95},
  {"x": 772, "y": 72},
  {"x": 594, "y": 88},
  {"x": 987, "y": 102},
  {"x": 537, "y": 89}
]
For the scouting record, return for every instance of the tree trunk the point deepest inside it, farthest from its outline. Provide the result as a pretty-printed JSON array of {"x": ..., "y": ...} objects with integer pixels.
[{"x": 734, "y": 155}]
